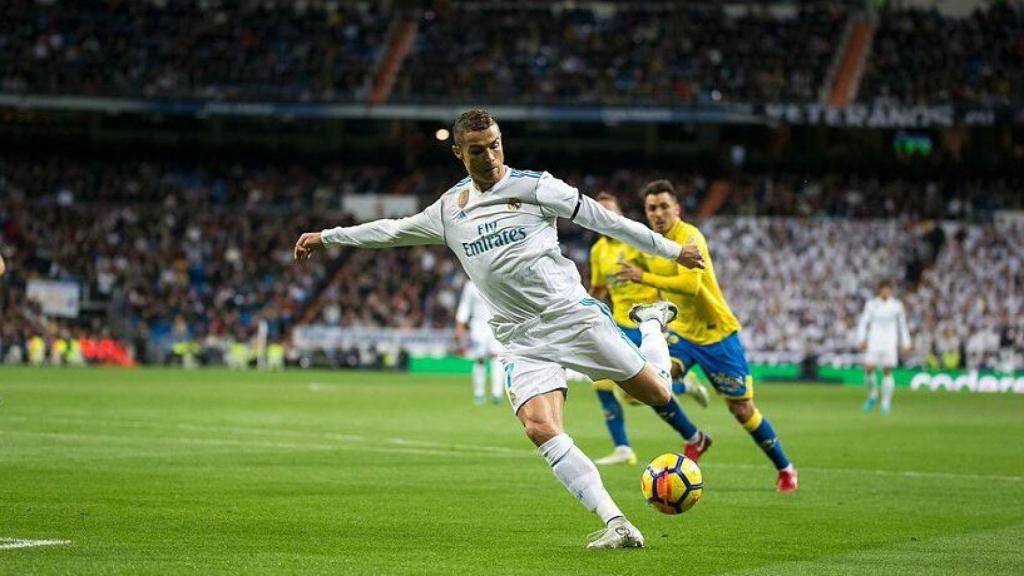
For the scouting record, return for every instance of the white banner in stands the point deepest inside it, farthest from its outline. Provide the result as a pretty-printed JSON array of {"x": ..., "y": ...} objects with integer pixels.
[
  {"x": 418, "y": 341},
  {"x": 55, "y": 298},
  {"x": 365, "y": 207}
]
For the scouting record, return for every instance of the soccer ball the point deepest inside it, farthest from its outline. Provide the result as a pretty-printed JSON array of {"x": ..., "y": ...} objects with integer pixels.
[{"x": 672, "y": 483}]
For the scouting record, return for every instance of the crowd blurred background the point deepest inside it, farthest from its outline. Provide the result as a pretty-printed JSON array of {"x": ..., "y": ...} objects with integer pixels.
[{"x": 177, "y": 228}]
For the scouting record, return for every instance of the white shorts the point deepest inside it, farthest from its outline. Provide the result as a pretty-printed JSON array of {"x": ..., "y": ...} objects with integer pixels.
[
  {"x": 584, "y": 339},
  {"x": 482, "y": 343},
  {"x": 882, "y": 357}
]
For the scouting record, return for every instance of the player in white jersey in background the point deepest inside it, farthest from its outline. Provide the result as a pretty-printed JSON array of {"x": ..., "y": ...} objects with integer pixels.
[
  {"x": 473, "y": 314},
  {"x": 882, "y": 334},
  {"x": 501, "y": 224}
]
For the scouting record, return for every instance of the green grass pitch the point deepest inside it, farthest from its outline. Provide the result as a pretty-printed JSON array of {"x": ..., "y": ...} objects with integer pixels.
[{"x": 159, "y": 472}]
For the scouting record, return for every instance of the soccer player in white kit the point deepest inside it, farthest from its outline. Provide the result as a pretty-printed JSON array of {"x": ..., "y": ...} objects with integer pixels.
[
  {"x": 474, "y": 314},
  {"x": 500, "y": 223},
  {"x": 882, "y": 333}
]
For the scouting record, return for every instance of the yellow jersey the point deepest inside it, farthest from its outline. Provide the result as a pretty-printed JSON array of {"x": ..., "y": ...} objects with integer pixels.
[
  {"x": 704, "y": 316},
  {"x": 604, "y": 263}
]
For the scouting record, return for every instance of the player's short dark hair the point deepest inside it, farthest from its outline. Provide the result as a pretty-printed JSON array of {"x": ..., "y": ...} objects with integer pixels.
[
  {"x": 885, "y": 283},
  {"x": 471, "y": 121},
  {"x": 659, "y": 187}
]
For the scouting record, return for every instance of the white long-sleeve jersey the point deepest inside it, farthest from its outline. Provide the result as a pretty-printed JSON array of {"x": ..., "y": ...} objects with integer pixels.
[
  {"x": 473, "y": 310},
  {"x": 883, "y": 324},
  {"x": 506, "y": 240}
]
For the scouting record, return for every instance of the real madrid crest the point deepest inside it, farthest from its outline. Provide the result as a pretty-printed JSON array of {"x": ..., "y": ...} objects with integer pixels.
[
  {"x": 463, "y": 198},
  {"x": 514, "y": 204}
]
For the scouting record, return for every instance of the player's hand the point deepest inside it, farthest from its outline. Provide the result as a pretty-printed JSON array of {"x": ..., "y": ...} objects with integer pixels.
[
  {"x": 691, "y": 257},
  {"x": 3, "y": 267},
  {"x": 904, "y": 351},
  {"x": 307, "y": 244},
  {"x": 862, "y": 345},
  {"x": 629, "y": 272}
]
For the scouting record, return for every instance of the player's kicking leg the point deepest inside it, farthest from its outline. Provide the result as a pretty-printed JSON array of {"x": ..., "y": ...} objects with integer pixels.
[
  {"x": 541, "y": 417},
  {"x": 654, "y": 383},
  {"x": 871, "y": 383}
]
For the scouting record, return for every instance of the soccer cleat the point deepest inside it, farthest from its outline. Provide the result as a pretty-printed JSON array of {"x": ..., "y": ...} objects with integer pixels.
[
  {"x": 869, "y": 404},
  {"x": 787, "y": 480},
  {"x": 618, "y": 534},
  {"x": 621, "y": 455},
  {"x": 663, "y": 312},
  {"x": 884, "y": 410},
  {"x": 693, "y": 450},
  {"x": 479, "y": 400},
  {"x": 699, "y": 393}
]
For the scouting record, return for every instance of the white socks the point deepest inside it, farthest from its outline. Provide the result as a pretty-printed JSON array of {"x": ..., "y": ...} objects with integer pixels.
[
  {"x": 479, "y": 376},
  {"x": 655, "y": 349},
  {"x": 579, "y": 475},
  {"x": 871, "y": 383},
  {"x": 888, "y": 384},
  {"x": 497, "y": 386}
]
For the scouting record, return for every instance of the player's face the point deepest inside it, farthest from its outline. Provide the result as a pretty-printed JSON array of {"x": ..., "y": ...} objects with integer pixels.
[
  {"x": 482, "y": 155},
  {"x": 885, "y": 292},
  {"x": 662, "y": 211},
  {"x": 611, "y": 205}
]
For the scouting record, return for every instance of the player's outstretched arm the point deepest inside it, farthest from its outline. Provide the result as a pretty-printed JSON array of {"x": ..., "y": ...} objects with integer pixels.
[
  {"x": 3, "y": 267},
  {"x": 416, "y": 230},
  {"x": 686, "y": 281},
  {"x": 568, "y": 202}
]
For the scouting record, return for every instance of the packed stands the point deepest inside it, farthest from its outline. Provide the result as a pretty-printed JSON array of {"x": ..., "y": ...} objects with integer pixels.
[
  {"x": 194, "y": 49},
  {"x": 922, "y": 56},
  {"x": 678, "y": 53}
]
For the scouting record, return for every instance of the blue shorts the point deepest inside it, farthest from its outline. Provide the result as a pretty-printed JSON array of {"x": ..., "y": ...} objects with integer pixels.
[{"x": 724, "y": 363}]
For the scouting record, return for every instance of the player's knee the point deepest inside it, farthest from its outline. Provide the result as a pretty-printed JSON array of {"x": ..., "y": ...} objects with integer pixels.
[
  {"x": 540, "y": 431},
  {"x": 742, "y": 410},
  {"x": 660, "y": 395}
]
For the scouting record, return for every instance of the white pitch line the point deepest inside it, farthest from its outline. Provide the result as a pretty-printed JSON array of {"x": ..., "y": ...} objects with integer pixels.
[
  {"x": 341, "y": 446},
  {"x": 12, "y": 543}
]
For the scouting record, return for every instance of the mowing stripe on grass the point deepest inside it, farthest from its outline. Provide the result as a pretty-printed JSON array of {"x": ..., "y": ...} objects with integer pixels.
[{"x": 408, "y": 446}]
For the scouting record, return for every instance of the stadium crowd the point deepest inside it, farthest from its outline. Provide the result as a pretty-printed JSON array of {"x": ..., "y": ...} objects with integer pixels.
[
  {"x": 674, "y": 53},
  {"x": 531, "y": 52},
  {"x": 962, "y": 284},
  {"x": 170, "y": 256},
  {"x": 276, "y": 50},
  {"x": 921, "y": 56}
]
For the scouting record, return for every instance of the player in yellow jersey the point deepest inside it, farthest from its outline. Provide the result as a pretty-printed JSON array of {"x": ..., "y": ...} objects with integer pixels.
[
  {"x": 606, "y": 256},
  {"x": 705, "y": 332}
]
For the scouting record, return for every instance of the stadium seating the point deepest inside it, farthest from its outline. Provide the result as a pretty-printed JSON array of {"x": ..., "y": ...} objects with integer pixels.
[
  {"x": 666, "y": 54},
  {"x": 535, "y": 53},
  {"x": 921, "y": 56},
  {"x": 247, "y": 50}
]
